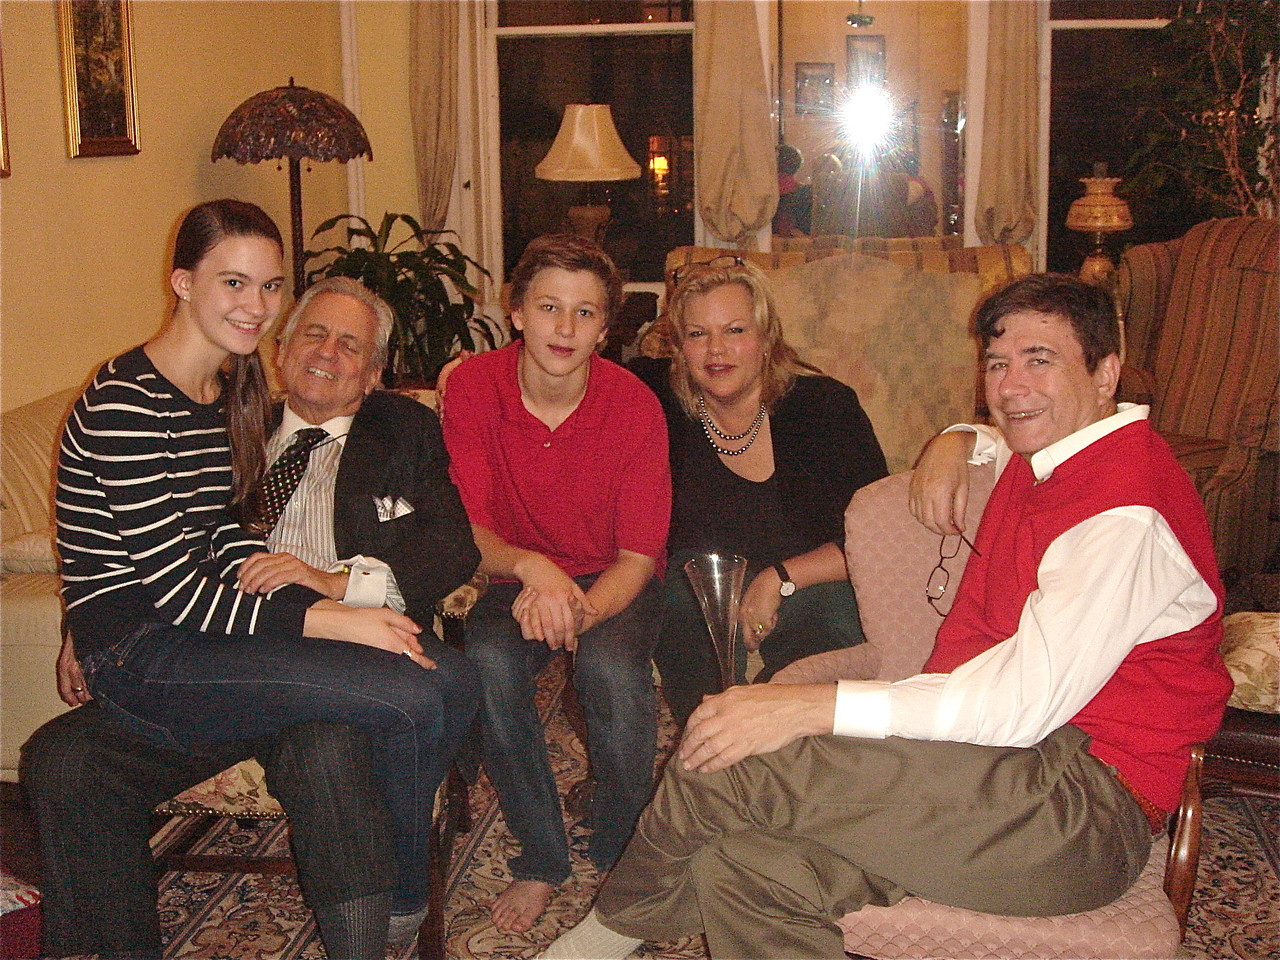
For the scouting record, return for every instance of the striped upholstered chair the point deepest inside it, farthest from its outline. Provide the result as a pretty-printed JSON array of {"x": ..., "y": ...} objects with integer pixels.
[{"x": 1200, "y": 315}]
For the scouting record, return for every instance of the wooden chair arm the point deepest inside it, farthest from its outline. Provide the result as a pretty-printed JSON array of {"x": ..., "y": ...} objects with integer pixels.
[{"x": 1184, "y": 840}]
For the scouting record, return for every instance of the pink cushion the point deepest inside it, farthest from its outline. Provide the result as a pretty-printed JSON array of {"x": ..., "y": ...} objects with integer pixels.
[
  {"x": 890, "y": 557},
  {"x": 1140, "y": 924}
]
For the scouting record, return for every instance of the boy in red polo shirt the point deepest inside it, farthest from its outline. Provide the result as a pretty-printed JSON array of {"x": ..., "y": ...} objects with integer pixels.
[{"x": 561, "y": 460}]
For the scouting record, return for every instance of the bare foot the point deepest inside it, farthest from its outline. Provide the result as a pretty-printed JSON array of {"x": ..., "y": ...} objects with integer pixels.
[{"x": 520, "y": 905}]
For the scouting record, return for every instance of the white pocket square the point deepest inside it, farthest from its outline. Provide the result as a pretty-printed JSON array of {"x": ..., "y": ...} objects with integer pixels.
[{"x": 391, "y": 508}]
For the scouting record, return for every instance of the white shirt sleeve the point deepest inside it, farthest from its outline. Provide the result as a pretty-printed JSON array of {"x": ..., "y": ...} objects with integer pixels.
[
  {"x": 371, "y": 583},
  {"x": 988, "y": 444},
  {"x": 1113, "y": 581}
]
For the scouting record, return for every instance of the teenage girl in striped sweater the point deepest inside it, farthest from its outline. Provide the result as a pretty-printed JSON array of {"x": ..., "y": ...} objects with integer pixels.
[{"x": 159, "y": 459}]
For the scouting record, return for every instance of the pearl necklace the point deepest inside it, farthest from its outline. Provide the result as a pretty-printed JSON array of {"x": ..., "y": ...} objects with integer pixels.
[{"x": 712, "y": 431}]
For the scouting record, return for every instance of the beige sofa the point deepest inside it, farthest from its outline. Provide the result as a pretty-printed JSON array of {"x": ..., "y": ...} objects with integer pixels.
[{"x": 30, "y": 611}]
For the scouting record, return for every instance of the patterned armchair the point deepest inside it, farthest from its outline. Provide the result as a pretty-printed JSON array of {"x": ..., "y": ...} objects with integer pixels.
[{"x": 1200, "y": 315}]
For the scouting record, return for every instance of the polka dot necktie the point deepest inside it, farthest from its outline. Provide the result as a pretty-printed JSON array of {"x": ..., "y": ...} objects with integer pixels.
[{"x": 282, "y": 479}]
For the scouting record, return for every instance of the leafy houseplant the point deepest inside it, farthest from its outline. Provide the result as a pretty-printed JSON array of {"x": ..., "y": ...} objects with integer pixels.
[
  {"x": 1212, "y": 108},
  {"x": 425, "y": 281}
]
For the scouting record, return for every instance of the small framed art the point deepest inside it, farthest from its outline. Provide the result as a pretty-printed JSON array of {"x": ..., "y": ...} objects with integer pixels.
[
  {"x": 864, "y": 59},
  {"x": 815, "y": 88},
  {"x": 97, "y": 77}
]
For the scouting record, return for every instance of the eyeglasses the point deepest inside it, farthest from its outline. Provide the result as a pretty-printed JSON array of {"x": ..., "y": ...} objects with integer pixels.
[
  {"x": 935, "y": 587},
  {"x": 726, "y": 260}
]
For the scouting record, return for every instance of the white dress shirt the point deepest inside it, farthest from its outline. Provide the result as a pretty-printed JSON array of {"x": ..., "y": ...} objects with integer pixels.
[
  {"x": 1111, "y": 582},
  {"x": 305, "y": 528}
]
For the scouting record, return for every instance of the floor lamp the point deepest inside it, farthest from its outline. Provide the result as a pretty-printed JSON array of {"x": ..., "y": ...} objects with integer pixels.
[{"x": 292, "y": 123}]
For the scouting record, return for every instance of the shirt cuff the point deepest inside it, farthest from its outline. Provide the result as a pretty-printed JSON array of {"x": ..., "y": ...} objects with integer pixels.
[
  {"x": 366, "y": 582},
  {"x": 862, "y": 709},
  {"x": 986, "y": 444}
]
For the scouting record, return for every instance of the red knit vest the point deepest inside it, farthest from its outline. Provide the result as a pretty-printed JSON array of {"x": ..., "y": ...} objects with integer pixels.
[{"x": 1166, "y": 694}]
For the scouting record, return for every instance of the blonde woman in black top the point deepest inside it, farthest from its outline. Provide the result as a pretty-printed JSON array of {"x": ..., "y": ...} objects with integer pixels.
[{"x": 765, "y": 454}]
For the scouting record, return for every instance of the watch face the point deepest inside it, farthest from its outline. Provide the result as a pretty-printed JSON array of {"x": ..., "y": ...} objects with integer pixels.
[{"x": 787, "y": 588}]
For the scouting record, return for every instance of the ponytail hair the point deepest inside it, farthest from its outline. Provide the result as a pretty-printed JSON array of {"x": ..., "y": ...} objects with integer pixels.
[{"x": 245, "y": 394}]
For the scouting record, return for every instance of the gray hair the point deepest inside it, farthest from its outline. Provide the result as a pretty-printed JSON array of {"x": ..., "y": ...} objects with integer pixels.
[{"x": 357, "y": 291}]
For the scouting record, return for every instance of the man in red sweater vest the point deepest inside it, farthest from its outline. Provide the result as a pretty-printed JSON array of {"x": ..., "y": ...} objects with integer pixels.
[{"x": 1025, "y": 771}]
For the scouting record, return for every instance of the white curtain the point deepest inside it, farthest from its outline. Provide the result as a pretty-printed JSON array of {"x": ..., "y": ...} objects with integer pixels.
[
  {"x": 737, "y": 177},
  {"x": 1005, "y": 208},
  {"x": 433, "y": 81}
]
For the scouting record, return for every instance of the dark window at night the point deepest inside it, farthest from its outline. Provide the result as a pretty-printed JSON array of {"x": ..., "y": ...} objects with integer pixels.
[{"x": 648, "y": 82}]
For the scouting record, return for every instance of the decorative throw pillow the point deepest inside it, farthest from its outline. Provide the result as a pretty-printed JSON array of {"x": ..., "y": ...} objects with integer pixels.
[
  {"x": 16, "y": 894},
  {"x": 29, "y": 553},
  {"x": 1251, "y": 650}
]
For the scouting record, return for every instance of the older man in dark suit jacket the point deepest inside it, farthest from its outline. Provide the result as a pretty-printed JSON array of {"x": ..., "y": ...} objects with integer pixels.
[{"x": 369, "y": 516}]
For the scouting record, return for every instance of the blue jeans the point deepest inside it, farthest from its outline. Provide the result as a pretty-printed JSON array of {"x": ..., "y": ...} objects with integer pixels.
[
  {"x": 182, "y": 689},
  {"x": 614, "y": 682}
]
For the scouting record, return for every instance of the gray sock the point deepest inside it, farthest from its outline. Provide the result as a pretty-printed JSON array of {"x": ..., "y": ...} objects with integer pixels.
[
  {"x": 355, "y": 928},
  {"x": 404, "y": 927}
]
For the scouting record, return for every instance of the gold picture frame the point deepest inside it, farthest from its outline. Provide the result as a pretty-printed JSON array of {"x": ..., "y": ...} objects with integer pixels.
[
  {"x": 97, "y": 77},
  {"x": 4, "y": 124}
]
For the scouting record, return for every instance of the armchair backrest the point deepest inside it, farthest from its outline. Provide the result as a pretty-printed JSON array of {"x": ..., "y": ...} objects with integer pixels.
[
  {"x": 1201, "y": 315},
  {"x": 890, "y": 556}
]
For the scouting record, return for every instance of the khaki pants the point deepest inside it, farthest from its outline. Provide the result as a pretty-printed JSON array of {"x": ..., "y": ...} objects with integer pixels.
[{"x": 765, "y": 856}]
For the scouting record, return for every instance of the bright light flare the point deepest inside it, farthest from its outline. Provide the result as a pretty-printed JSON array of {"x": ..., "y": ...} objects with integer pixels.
[{"x": 867, "y": 118}]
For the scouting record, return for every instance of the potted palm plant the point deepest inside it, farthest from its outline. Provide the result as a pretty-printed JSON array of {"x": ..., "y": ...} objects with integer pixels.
[{"x": 423, "y": 277}]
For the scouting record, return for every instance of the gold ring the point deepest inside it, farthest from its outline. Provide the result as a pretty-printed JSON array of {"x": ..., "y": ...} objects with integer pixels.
[
  {"x": 78, "y": 689},
  {"x": 759, "y": 628},
  {"x": 407, "y": 652}
]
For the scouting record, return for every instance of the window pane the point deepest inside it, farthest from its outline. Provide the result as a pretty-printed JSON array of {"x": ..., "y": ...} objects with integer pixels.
[
  {"x": 541, "y": 13},
  {"x": 648, "y": 82},
  {"x": 1093, "y": 118}
]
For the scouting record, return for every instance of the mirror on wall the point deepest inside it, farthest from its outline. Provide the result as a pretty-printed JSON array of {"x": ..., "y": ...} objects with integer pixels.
[{"x": 869, "y": 96}]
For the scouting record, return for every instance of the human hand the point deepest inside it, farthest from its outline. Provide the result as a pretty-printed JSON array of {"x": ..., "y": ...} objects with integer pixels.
[
  {"x": 264, "y": 572},
  {"x": 551, "y": 607},
  {"x": 372, "y": 626},
  {"x": 758, "y": 613},
  {"x": 442, "y": 378},
  {"x": 939, "y": 491},
  {"x": 71, "y": 686},
  {"x": 748, "y": 720}
]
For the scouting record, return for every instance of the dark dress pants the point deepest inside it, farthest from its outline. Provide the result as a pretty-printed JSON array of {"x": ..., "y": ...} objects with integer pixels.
[{"x": 93, "y": 783}]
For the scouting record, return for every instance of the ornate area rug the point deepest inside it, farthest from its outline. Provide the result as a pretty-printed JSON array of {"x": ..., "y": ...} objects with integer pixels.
[{"x": 1235, "y": 913}]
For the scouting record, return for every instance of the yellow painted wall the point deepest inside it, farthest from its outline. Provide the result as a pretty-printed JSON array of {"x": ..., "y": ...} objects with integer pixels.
[
  {"x": 382, "y": 31},
  {"x": 84, "y": 244},
  {"x": 924, "y": 54}
]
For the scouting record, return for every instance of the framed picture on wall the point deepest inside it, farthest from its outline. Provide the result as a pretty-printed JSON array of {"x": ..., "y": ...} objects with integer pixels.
[
  {"x": 864, "y": 59},
  {"x": 97, "y": 77},
  {"x": 815, "y": 88},
  {"x": 4, "y": 125}
]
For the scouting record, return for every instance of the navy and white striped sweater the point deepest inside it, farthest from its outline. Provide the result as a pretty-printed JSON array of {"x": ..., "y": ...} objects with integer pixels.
[{"x": 144, "y": 475}]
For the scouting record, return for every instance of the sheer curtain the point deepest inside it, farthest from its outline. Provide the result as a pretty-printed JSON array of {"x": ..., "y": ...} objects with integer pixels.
[
  {"x": 1006, "y": 194},
  {"x": 737, "y": 176},
  {"x": 433, "y": 105}
]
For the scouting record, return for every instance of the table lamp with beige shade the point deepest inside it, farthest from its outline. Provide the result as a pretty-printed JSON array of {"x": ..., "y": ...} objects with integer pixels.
[{"x": 587, "y": 149}]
